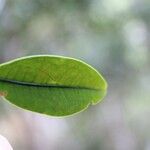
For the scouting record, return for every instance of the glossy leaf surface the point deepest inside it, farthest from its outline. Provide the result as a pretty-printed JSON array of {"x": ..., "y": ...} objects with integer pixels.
[{"x": 51, "y": 85}]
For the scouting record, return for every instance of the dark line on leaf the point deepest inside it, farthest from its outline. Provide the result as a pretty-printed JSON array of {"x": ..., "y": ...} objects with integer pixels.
[{"x": 44, "y": 85}]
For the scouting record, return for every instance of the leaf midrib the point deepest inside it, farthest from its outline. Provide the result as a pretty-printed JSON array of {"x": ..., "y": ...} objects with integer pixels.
[{"x": 45, "y": 85}]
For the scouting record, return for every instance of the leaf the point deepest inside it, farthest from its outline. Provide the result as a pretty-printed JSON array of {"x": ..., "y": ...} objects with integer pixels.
[{"x": 52, "y": 85}]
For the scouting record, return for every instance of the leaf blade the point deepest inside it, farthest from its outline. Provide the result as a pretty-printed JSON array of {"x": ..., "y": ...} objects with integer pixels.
[{"x": 67, "y": 86}]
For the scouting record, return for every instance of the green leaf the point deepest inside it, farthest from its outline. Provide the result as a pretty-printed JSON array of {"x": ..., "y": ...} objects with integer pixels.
[{"x": 52, "y": 85}]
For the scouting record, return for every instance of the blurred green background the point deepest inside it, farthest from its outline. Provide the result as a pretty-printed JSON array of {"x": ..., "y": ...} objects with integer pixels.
[{"x": 111, "y": 35}]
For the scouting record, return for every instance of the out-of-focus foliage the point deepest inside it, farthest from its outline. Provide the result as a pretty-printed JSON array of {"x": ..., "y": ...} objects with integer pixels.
[{"x": 113, "y": 36}]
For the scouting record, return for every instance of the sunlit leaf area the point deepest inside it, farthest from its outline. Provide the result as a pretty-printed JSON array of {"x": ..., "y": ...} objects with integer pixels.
[{"x": 113, "y": 36}]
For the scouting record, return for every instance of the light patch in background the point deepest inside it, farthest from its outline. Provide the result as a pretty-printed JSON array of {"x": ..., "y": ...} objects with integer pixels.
[
  {"x": 2, "y": 3},
  {"x": 116, "y": 6},
  {"x": 109, "y": 8},
  {"x": 4, "y": 144},
  {"x": 135, "y": 33},
  {"x": 46, "y": 129}
]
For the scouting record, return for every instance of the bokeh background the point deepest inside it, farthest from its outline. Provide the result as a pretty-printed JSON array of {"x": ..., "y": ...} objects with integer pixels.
[{"x": 111, "y": 35}]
